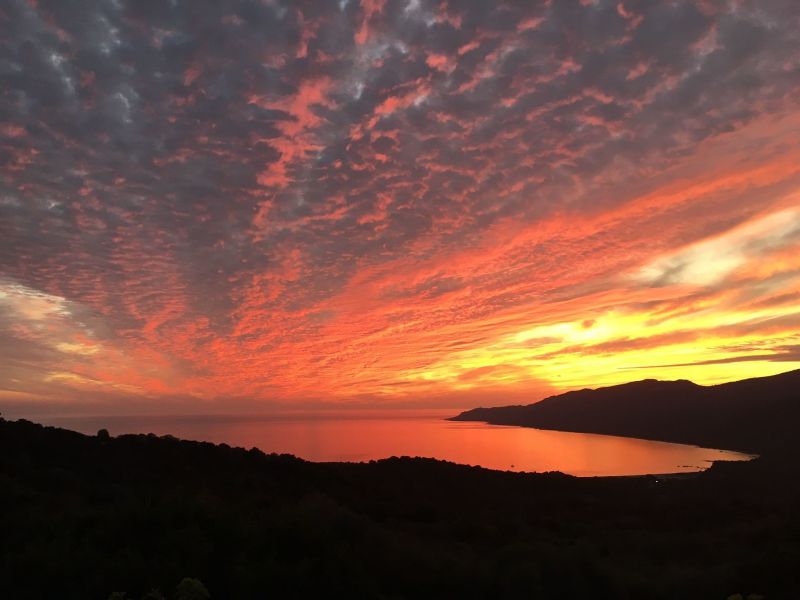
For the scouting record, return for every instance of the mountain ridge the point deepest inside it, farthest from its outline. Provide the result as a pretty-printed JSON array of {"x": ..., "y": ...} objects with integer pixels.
[{"x": 751, "y": 415}]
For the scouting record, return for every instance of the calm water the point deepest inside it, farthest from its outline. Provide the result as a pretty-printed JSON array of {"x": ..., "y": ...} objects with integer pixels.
[{"x": 364, "y": 436}]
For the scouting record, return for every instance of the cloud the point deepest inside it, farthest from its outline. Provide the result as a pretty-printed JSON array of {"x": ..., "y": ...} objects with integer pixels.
[
  {"x": 711, "y": 261},
  {"x": 292, "y": 200}
]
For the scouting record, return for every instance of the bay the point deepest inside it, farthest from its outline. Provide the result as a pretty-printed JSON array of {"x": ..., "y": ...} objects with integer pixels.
[{"x": 364, "y": 436}]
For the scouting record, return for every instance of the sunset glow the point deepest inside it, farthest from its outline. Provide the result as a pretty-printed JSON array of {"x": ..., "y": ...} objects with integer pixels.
[{"x": 253, "y": 205}]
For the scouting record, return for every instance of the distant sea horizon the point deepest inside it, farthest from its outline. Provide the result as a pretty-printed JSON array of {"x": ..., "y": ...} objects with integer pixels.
[{"x": 358, "y": 435}]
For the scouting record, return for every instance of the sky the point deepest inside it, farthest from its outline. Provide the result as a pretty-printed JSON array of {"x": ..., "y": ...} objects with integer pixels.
[{"x": 244, "y": 205}]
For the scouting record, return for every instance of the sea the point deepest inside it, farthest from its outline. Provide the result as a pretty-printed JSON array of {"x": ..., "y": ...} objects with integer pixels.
[{"x": 360, "y": 436}]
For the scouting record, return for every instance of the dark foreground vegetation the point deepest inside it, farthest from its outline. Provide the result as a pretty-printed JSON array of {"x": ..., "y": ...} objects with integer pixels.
[{"x": 94, "y": 517}]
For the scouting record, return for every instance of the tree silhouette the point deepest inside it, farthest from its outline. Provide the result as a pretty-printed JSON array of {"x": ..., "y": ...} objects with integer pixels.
[{"x": 191, "y": 589}]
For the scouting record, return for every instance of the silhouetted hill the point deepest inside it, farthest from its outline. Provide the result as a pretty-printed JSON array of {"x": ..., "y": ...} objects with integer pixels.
[
  {"x": 84, "y": 516},
  {"x": 753, "y": 415}
]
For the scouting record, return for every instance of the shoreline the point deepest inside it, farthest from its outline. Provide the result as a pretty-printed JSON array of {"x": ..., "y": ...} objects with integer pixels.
[{"x": 658, "y": 474}]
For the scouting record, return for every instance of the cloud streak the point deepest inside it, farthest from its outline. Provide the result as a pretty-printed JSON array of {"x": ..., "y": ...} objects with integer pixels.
[{"x": 288, "y": 202}]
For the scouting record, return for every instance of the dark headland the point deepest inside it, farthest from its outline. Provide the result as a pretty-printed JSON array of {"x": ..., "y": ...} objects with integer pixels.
[
  {"x": 155, "y": 517},
  {"x": 754, "y": 415}
]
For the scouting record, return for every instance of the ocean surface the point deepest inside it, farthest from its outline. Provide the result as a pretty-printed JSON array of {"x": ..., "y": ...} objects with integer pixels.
[{"x": 365, "y": 436}]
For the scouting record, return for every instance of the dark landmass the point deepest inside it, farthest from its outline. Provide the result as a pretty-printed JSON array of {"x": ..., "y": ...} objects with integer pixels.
[
  {"x": 754, "y": 415},
  {"x": 84, "y": 516}
]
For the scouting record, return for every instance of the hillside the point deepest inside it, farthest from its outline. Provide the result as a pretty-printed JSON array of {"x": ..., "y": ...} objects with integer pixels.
[
  {"x": 84, "y": 516},
  {"x": 753, "y": 415}
]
